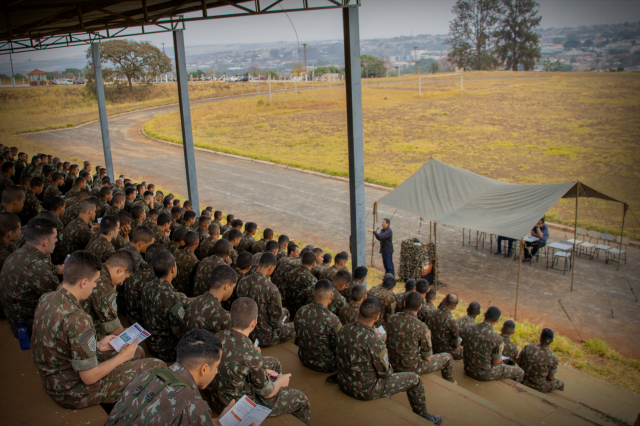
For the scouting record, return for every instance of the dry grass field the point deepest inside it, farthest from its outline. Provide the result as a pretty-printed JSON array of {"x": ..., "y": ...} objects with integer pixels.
[{"x": 518, "y": 127}]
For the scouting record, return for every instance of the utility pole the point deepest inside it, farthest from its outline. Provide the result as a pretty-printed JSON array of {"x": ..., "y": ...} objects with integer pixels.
[
  {"x": 415, "y": 55},
  {"x": 162, "y": 47},
  {"x": 305, "y": 61},
  {"x": 13, "y": 80}
]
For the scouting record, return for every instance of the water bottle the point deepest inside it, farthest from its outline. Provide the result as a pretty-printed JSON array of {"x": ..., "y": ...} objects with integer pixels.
[{"x": 23, "y": 336}]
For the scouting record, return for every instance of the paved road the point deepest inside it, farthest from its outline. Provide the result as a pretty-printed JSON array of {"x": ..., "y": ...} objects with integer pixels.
[{"x": 315, "y": 209}]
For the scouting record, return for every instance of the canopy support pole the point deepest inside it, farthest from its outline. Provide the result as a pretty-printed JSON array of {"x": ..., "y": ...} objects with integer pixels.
[
  {"x": 435, "y": 255},
  {"x": 102, "y": 110},
  {"x": 373, "y": 237},
  {"x": 575, "y": 235},
  {"x": 521, "y": 250},
  {"x": 624, "y": 213}
]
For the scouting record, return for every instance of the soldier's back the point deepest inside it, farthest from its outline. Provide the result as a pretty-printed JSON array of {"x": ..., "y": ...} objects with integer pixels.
[
  {"x": 205, "y": 312},
  {"x": 405, "y": 333},
  {"x": 479, "y": 345},
  {"x": 187, "y": 264},
  {"x": 101, "y": 248},
  {"x": 316, "y": 333},
  {"x": 349, "y": 313},
  {"x": 203, "y": 274},
  {"x": 163, "y": 315},
  {"x": 538, "y": 362}
]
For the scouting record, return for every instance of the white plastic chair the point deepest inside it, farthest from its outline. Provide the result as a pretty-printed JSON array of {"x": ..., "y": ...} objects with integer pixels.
[
  {"x": 587, "y": 247},
  {"x": 620, "y": 251},
  {"x": 566, "y": 255},
  {"x": 580, "y": 232},
  {"x": 606, "y": 238}
]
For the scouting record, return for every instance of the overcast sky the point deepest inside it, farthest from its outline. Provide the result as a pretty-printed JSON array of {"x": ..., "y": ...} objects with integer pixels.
[{"x": 378, "y": 19}]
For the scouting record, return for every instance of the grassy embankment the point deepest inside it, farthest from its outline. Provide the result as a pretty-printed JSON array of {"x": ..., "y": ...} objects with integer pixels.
[{"x": 539, "y": 128}]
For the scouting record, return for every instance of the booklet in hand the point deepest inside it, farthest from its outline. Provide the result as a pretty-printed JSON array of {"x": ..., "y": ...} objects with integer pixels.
[
  {"x": 245, "y": 412},
  {"x": 382, "y": 330},
  {"x": 129, "y": 335}
]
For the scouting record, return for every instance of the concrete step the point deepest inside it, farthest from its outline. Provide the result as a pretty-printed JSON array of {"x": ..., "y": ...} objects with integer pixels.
[
  {"x": 329, "y": 406},
  {"x": 535, "y": 406},
  {"x": 600, "y": 397}
]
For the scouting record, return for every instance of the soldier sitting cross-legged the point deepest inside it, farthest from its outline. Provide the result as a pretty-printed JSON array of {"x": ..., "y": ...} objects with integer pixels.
[
  {"x": 540, "y": 364},
  {"x": 349, "y": 313},
  {"x": 444, "y": 328},
  {"x": 205, "y": 311},
  {"x": 364, "y": 371}
]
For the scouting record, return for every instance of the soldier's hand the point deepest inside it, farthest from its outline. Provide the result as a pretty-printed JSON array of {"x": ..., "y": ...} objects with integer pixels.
[
  {"x": 60, "y": 269},
  {"x": 228, "y": 260},
  {"x": 283, "y": 380},
  {"x": 257, "y": 348},
  {"x": 103, "y": 345},
  {"x": 95, "y": 226},
  {"x": 128, "y": 350}
]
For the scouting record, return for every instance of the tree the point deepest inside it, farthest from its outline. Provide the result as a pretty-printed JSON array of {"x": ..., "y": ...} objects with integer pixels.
[
  {"x": 588, "y": 44},
  {"x": 517, "y": 41},
  {"x": 298, "y": 69},
  {"x": 434, "y": 68},
  {"x": 255, "y": 71},
  {"x": 133, "y": 59},
  {"x": 271, "y": 74},
  {"x": 370, "y": 66},
  {"x": 553, "y": 66},
  {"x": 472, "y": 34},
  {"x": 573, "y": 60},
  {"x": 571, "y": 44}
]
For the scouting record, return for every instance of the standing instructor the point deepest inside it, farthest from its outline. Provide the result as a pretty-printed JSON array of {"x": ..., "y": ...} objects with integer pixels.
[{"x": 386, "y": 246}]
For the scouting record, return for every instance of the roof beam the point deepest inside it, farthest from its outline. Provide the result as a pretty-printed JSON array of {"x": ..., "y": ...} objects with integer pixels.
[
  {"x": 230, "y": 3},
  {"x": 170, "y": 11},
  {"x": 118, "y": 15}
]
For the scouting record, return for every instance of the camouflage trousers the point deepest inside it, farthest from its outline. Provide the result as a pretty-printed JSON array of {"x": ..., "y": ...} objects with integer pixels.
[
  {"x": 283, "y": 333},
  {"x": 547, "y": 386},
  {"x": 105, "y": 356},
  {"x": 109, "y": 388},
  {"x": 439, "y": 362},
  {"x": 164, "y": 348},
  {"x": 286, "y": 401},
  {"x": 498, "y": 372},
  {"x": 455, "y": 352}
]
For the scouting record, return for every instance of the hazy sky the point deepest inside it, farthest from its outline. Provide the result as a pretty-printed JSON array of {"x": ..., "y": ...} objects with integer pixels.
[{"x": 378, "y": 19}]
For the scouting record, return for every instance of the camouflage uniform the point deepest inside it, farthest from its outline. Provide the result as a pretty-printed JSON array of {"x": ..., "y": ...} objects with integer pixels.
[
  {"x": 30, "y": 209},
  {"x": 75, "y": 236},
  {"x": 243, "y": 371},
  {"x": 72, "y": 193},
  {"x": 70, "y": 213},
  {"x": 296, "y": 280},
  {"x": 26, "y": 275},
  {"x": 173, "y": 405},
  {"x": 205, "y": 249},
  {"x": 409, "y": 344},
  {"x": 143, "y": 204},
  {"x": 246, "y": 243},
  {"x": 346, "y": 293},
  {"x": 538, "y": 362},
  {"x": 305, "y": 296},
  {"x": 444, "y": 332},
  {"x": 127, "y": 204},
  {"x": 270, "y": 329},
  {"x": 133, "y": 291},
  {"x": 187, "y": 264},
  {"x": 225, "y": 228},
  {"x": 281, "y": 254},
  {"x": 259, "y": 246},
  {"x": 203, "y": 274},
  {"x": 63, "y": 344},
  {"x": 364, "y": 371},
  {"x": 481, "y": 345},
  {"x": 316, "y": 334},
  {"x": 205, "y": 312},
  {"x": 102, "y": 306},
  {"x": 5, "y": 252},
  {"x": 328, "y": 273},
  {"x": 101, "y": 247},
  {"x": 5, "y": 181},
  {"x": 50, "y": 193},
  {"x": 135, "y": 224},
  {"x": 202, "y": 234},
  {"x": 123, "y": 288},
  {"x": 388, "y": 303},
  {"x": 349, "y": 313},
  {"x": 464, "y": 323},
  {"x": 510, "y": 349},
  {"x": 233, "y": 255},
  {"x": 163, "y": 315},
  {"x": 111, "y": 211},
  {"x": 69, "y": 181},
  {"x": 119, "y": 242},
  {"x": 427, "y": 312},
  {"x": 162, "y": 238}
]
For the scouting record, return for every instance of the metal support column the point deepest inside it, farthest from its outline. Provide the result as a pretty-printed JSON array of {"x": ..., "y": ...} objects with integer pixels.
[
  {"x": 185, "y": 120},
  {"x": 102, "y": 110},
  {"x": 350, "y": 22}
]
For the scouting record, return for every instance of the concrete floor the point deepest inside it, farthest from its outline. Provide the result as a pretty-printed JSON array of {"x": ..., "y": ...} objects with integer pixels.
[{"x": 315, "y": 209}]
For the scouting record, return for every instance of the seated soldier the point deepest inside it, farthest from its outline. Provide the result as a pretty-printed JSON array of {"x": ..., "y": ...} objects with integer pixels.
[
  {"x": 102, "y": 246},
  {"x": 339, "y": 264},
  {"x": 197, "y": 361},
  {"x": 206, "y": 246},
  {"x": 349, "y": 313},
  {"x": 202, "y": 280},
  {"x": 146, "y": 203},
  {"x": 130, "y": 196},
  {"x": 483, "y": 351},
  {"x": 136, "y": 282},
  {"x": 317, "y": 330},
  {"x": 32, "y": 205},
  {"x": 203, "y": 227},
  {"x": 151, "y": 221},
  {"x": 319, "y": 266},
  {"x": 247, "y": 241},
  {"x": 140, "y": 238},
  {"x": 384, "y": 292},
  {"x": 359, "y": 277},
  {"x": 187, "y": 264},
  {"x": 65, "y": 348},
  {"x": 117, "y": 204},
  {"x": 205, "y": 311},
  {"x": 138, "y": 215},
  {"x": 189, "y": 220},
  {"x": 409, "y": 342},
  {"x": 9, "y": 236},
  {"x": 163, "y": 230},
  {"x": 244, "y": 371},
  {"x": 162, "y": 309},
  {"x": 364, "y": 372},
  {"x": 105, "y": 195},
  {"x": 234, "y": 237},
  {"x": 28, "y": 273},
  {"x": 445, "y": 334},
  {"x": 217, "y": 217},
  {"x": 340, "y": 281},
  {"x": 244, "y": 265},
  {"x": 540, "y": 365},
  {"x": 121, "y": 240},
  {"x": 228, "y": 225},
  {"x": 271, "y": 328},
  {"x": 57, "y": 207},
  {"x": 297, "y": 281},
  {"x": 12, "y": 200},
  {"x": 166, "y": 205},
  {"x": 473, "y": 310},
  {"x": 270, "y": 247},
  {"x": 52, "y": 190},
  {"x": 510, "y": 349},
  {"x": 77, "y": 233},
  {"x": 409, "y": 286},
  {"x": 177, "y": 240},
  {"x": 422, "y": 288},
  {"x": 260, "y": 246},
  {"x": 283, "y": 242}
]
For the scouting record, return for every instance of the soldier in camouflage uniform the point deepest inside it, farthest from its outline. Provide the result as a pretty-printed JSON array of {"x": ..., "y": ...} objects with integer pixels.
[
  {"x": 77, "y": 234},
  {"x": 203, "y": 227},
  {"x": 129, "y": 196},
  {"x": 140, "y": 239},
  {"x": 422, "y": 288},
  {"x": 202, "y": 280},
  {"x": 70, "y": 179},
  {"x": 409, "y": 342},
  {"x": 271, "y": 328},
  {"x": 409, "y": 286},
  {"x": 187, "y": 263},
  {"x": 79, "y": 184},
  {"x": 117, "y": 205},
  {"x": 483, "y": 351},
  {"x": 198, "y": 357},
  {"x": 283, "y": 242},
  {"x": 162, "y": 230},
  {"x": 28, "y": 273},
  {"x": 247, "y": 241},
  {"x": 317, "y": 330},
  {"x": 146, "y": 202},
  {"x": 9, "y": 234},
  {"x": 473, "y": 310},
  {"x": 162, "y": 309},
  {"x": 32, "y": 205},
  {"x": 136, "y": 282},
  {"x": 359, "y": 277},
  {"x": 71, "y": 211},
  {"x": 339, "y": 264},
  {"x": 205, "y": 311},
  {"x": 8, "y": 172},
  {"x": 52, "y": 190},
  {"x": 540, "y": 365},
  {"x": 138, "y": 215},
  {"x": 234, "y": 239},
  {"x": 364, "y": 371},
  {"x": 384, "y": 293},
  {"x": 64, "y": 345},
  {"x": 349, "y": 313},
  {"x": 260, "y": 246},
  {"x": 510, "y": 349},
  {"x": 101, "y": 246},
  {"x": 119, "y": 242},
  {"x": 445, "y": 334},
  {"x": 205, "y": 249},
  {"x": 296, "y": 282},
  {"x": 244, "y": 371}
]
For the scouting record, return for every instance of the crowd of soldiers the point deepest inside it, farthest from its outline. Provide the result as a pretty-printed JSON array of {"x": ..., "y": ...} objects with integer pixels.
[{"x": 80, "y": 254}]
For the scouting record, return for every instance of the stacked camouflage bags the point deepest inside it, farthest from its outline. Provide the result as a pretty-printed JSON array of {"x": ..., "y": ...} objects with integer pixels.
[{"x": 414, "y": 258}]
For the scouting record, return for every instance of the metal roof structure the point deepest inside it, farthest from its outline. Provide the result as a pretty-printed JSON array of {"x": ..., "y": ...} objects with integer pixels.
[{"x": 29, "y": 25}]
